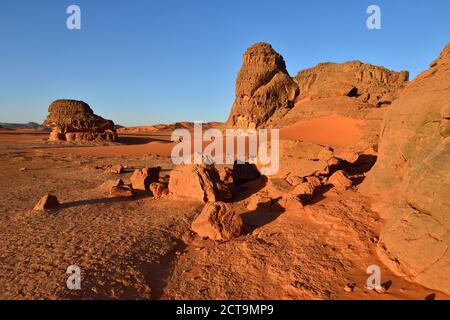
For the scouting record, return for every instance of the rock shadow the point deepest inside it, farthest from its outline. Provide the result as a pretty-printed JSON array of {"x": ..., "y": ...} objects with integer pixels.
[{"x": 260, "y": 217}]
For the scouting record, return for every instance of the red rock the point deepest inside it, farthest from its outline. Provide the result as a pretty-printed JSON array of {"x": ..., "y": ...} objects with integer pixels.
[
  {"x": 47, "y": 202},
  {"x": 340, "y": 180},
  {"x": 201, "y": 182},
  {"x": 158, "y": 189},
  {"x": 218, "y": 222},
  {"x": 264, "y": 88},
  {"x": 125, "y": 191},
  {"x": 75, "y": 121},
  {"x": 142, "y": 178}
]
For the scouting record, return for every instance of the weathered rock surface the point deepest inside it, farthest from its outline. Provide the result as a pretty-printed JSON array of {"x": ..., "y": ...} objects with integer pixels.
[
  {"x": 159, "y": 189},
  {"x": 375, "y": 85},
  {"x": 412, "y": 177},
  {"x": 72, "y": 120},
  {"x": 201, "y": 182},
  {"x": 142, "y": 178},
  {"x": 218, "y": 221},
  {"x": 47, "y": 202},
  {"x": 340, "y": 180},
  {"x": 263, "y": 88}
]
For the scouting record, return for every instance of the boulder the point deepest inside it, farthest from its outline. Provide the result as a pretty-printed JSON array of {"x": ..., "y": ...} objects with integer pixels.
[
  {"x": 74, "y": 121},
  {"x": 218, "y": 221},
  {"x": 340, "y": 180},
  {"x": 158, "y": 189},
  {"x": 142, "y": 178},
  {"x": 411, "y": 179},
  {"x": 47, "y": 202},
  {"x": 291, "y": 203},
  {"x": 304, "y": 190},
  {"x": 121, "y": 191},
  {"x": 264, "y": 88},
  {"x": 201, "y": 182},
  {"x": 107, "y": 185}
]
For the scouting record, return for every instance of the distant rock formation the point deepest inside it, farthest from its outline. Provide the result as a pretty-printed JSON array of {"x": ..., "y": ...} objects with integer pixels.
[
  {"x": 375, "y": 85},
  {"x": 72, "y": 120},
  {"x": 412, "y": 179},
  {"x": 264, "y": 88},
  {"x": 29, "y": 125}
]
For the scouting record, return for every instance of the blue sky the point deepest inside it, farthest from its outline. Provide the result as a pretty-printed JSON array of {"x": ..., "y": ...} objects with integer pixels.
[{"x": 156, "y": 61}]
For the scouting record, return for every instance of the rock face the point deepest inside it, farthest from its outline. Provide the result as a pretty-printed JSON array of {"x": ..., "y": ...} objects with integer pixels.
[
  {"x": 264, "y": 88},
  {"x": 413, "y": 174},
  {"x": 218, "y": 222},
  {"x": 375, "y": 85},
  {"x": 72, "y": 120},
  {"x": 201, "y": 182}
]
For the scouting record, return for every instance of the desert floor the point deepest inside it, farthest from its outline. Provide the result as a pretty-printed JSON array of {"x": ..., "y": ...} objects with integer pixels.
[{"x": 143, "y": 248}]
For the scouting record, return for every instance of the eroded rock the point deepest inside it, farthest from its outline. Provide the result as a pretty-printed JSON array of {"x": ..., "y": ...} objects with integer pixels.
[
  {"x": 201, "y": 182},
  {"x": 218, "y": 221},
  {"x": 74, "y": 121},
  {"x": 264, "y": 88}
]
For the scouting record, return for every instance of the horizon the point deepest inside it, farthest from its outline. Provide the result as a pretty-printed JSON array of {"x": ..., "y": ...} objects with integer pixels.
[{"x": 164, "y": 62}]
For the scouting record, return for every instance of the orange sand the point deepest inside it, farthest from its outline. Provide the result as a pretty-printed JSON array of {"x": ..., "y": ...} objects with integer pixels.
[{"x": 336, "y": 131}]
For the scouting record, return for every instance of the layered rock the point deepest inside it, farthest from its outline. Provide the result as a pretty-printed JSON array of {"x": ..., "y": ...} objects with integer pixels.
[
  {"x": 412, "y": 179},
  {"x": 264, "y": 88},
  {"x": 72, "y": 120},
  {"x": 200, "y": 182},
  {"x": 375, "y": 85}
]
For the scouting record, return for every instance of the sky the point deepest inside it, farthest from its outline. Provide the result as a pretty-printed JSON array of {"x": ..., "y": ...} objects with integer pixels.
[{"x": 142, "y": 62}]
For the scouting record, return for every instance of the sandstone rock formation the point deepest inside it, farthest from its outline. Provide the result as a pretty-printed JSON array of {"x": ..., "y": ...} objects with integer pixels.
[
  {"x": 375, "y": 85},
  {"x": 218, "y": 222},
  {"x": 340, "y": 180},
  {"x": 201, "y": 182},
  {"x": 412, "y": 177},
  {"x": 142, "y": 178},
  {"x": 47, "y": 202},
  {"x": 264, "y": 88},
  {"x": 72, "y": 120}
]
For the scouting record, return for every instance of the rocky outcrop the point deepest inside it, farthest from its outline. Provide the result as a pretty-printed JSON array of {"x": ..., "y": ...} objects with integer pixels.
[
  {"x": 264, "y": 88},
  {"x": 72, "y": 120},
  {"x": 218, "y": 221},
  {"x": 372, "y": 84},
  {"x": 201, "y": 182},
  {"x": 412, "y": 179}
]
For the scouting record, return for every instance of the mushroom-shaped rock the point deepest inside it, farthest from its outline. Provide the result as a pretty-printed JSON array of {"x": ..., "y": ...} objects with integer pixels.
[{"x": 72, "y": 120}]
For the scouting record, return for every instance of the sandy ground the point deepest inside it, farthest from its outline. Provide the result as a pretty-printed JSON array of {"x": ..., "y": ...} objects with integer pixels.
[{"x": 143, "y": 249}]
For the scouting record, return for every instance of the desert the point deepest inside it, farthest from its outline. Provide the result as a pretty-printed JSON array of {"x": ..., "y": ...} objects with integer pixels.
[
  {"x": 309, "y": 234},
  {"x": 355, "y": 205}
]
